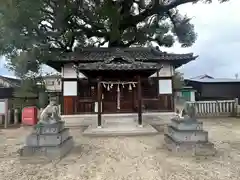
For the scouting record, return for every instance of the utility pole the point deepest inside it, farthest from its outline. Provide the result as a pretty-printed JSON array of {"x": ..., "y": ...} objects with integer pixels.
[{"x": 236, "y": 75}]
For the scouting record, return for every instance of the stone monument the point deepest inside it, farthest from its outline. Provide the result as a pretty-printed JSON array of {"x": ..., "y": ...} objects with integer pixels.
[
  {"x": 185, "y": 135},
  {"x": 49, "y": 140}
]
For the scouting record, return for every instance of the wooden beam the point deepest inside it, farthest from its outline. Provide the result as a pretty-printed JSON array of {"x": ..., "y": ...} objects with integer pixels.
[
  {"x": 173, "y": 105},
  {"x": 139, "y": 101},
  {"x": 62, "y": 98},
  {"x": 99, "y": 97},
  {"x": 6, "y": 119},
  {"x": 158, "y": 74}
]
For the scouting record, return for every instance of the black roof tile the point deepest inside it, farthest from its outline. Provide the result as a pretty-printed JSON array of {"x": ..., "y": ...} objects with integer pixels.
[
  {"x": 101, "y": 54},
  {"x": 86, "y": 56}
]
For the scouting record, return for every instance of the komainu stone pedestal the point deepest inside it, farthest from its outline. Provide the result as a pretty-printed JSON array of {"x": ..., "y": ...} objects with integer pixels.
[
  {"x": 47, "y": 142},
  {"x": 186, "y": 136}
]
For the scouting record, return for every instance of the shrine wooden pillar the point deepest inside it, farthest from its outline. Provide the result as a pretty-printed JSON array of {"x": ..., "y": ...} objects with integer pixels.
[
  {"x": 99, "y": 98},
  {"x": 139, "y": 88}
]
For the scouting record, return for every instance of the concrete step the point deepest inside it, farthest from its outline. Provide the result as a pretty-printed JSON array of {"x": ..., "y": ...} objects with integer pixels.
[{"x": 130, "y": 129}]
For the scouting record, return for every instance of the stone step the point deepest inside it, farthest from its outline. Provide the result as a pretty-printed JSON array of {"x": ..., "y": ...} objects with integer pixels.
[
  {"x": 189, "y": 148},
  {"x": 50, "y": 152},
  {"x": 185, "y": 130},
  {"x": 206, "y": 149},
  {"x": 47, "y": 139},
  {"x": 120, "y": 130},
  {"x": 187, "y": 135},
  {"x": 186, "y": 125}
]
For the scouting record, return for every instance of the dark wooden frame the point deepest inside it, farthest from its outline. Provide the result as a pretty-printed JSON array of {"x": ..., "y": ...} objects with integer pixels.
[
  {"x": 160, "y": 98},
  {"x": 99, "y": 98},
  {"x": 172, "y": 95},
  {"x": 139, "y": 89}
]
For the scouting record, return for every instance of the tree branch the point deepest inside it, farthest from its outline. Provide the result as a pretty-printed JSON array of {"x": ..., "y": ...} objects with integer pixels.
[
  {"x": 130, "y": 42},
  {"x": 156, "y": 8},
  {"x": 133, "y": 40}
]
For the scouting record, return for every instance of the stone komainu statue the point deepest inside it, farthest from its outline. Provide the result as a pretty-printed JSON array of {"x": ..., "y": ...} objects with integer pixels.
[
  {"x": 191, "y": 111},
  {"x": 188, "y": 111},
  {"x": 50, "y": 114}
]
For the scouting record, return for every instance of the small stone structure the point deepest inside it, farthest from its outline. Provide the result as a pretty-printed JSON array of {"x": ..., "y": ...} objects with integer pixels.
[
  {"x": 50, "y": 140},
  {"x": 186, "y": 136}
]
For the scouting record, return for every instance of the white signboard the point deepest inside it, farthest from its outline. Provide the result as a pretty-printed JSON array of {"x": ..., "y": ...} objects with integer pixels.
[
  {"x": 69, "y": 88},
  {"x": 2, "y": 107},
  {"x": 165, "y": 86}
]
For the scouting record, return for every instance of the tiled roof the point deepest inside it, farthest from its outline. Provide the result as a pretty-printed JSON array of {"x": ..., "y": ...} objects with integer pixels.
[
  {"x": 12, "y": 81},
  {"x": 86, "y": 56},
  {"x": 216, "y": 80},
  {"x": 101, "y": 54},
  {"x": 205, "y": 76}
]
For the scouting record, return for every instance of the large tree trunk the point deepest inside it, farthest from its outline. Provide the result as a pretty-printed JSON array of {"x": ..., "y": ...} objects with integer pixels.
[{"x": 116, "y": 43}]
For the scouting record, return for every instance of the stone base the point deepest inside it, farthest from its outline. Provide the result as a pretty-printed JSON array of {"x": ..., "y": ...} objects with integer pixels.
[
  {"x": 49, "y": 128},
  {"x": 46, "y": 153},
  {"x": 48, "y": 139},
  {"x": 189, "y": 148},
  {"x": 187, "y": 135},
  {"x": 182, "y": 124}
]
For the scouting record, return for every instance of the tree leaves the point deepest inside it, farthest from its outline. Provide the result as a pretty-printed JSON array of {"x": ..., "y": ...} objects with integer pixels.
[
  {"x": 178, "y": 80},
  {"x": 34, "y": 31},
  {"x": 182, "y": 28}
]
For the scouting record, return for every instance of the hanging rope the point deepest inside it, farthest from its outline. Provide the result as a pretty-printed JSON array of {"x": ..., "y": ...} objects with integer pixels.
[{"x": 109, "y": 85}]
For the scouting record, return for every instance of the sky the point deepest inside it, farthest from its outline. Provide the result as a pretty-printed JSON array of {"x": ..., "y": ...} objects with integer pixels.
[{"x": 218, "y": 43}]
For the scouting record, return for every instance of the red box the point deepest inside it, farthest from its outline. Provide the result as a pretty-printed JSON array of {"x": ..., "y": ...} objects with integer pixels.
[{"x": 30, "y": 116}]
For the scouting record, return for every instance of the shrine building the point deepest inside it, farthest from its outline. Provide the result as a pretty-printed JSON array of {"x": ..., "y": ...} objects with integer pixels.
[{"x": 118, "y": 80}]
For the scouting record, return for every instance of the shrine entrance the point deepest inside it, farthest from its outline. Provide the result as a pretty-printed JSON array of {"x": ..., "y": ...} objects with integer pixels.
[{"x": 119, "y": 96}]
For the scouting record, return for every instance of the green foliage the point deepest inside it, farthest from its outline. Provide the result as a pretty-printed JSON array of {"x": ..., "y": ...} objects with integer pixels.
[
  {"x": 178, "y": 80},
  {"x": 25, "y": 95},
  {"x": 28, "y": 94},
  {"x": 33, "y": 31},
  {"x": 28, "y": 89}
]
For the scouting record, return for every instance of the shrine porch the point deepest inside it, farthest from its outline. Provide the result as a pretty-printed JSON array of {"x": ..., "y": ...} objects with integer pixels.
[{"x": 152, "y": 118}]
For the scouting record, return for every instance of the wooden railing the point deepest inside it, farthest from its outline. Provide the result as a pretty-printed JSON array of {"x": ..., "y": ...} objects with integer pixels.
[{"x": 215, "y": 108}]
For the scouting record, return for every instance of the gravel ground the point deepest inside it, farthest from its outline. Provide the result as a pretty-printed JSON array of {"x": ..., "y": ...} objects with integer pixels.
[{"x": 127, "y": 158}]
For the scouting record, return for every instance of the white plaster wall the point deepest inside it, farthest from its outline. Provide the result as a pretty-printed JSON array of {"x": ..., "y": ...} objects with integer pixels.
[
  {"x": 166, "y": 71},
  {"x": 165, "y": 86},
  {"x": 70, "y": 88},
  {"x": 69, "y": 72}
]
